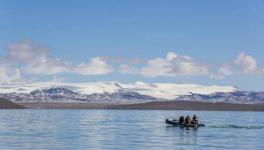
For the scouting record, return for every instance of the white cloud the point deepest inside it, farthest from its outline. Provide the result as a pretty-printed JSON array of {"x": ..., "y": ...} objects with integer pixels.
[
  {"x": 9, "y": 74},
  {"x": 189, "y": 68},
  {"x": 46, "y": 66},
  {"x": 127, "y": 69},
  {"x": 157, "y": 67},
  {"x": 247, "y": 63},
  {"x": 36, "y": 59},
  {"x": 172, "y": 65},
  {"x": 223, "y": 71},
  {"x": 26, "y": 51},
  {"x": 96, "y": 66},
  {"x": 171, "y": 56},
  {"x": 33, "y": 59}
]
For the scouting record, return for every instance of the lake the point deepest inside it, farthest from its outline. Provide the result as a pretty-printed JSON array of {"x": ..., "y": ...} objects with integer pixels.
[{"x": 128, "y": 129}]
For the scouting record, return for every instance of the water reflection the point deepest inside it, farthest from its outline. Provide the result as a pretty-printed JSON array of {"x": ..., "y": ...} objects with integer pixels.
[{"x": 119, "y": 129}]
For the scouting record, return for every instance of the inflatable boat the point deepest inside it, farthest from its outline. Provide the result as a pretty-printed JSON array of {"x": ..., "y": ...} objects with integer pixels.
[{"x": 175, "y": 122}]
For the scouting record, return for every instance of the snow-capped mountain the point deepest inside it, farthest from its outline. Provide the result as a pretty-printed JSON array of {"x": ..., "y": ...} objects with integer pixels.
[
  {"x": 60, "y": 94},
  {"x": 126, "y": 93},
  {"x": 242, "y": 97}
]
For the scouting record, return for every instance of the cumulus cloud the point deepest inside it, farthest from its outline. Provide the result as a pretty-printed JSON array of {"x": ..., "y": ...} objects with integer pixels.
[
  {"x": 127, "y": 69},
  {"x": 29, "y": 59},
  {"x": 172, "y": 65},
  {"x": 243, "y": 64},
  {"x": 222, "y": 72},
  {"x": 247, "y": 63},
  {"x": 225, "y": 70},
  {"x": 46, "y": 66},
  {"x": 36, "y": 59},
  {"x": 157, "y": 67},
  {"x": 9, "y": 73},
  {"x": 171, "y": 56},
  {"x": 26, "y": 51},
  {"x": 96, "y": 66}
]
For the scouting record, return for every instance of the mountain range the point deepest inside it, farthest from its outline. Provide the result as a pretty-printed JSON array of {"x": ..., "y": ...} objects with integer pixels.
[{"x": 138, "y": 92}]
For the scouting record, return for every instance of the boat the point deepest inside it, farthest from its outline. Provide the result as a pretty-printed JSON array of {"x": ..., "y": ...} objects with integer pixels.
[{"x": 176, "y": 123}]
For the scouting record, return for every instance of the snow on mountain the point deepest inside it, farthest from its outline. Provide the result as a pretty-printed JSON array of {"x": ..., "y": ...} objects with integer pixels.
[
  {"x": 155, "y": 90},
  {"x": 242, "y": 97},
  {"x": 172, "y": 91},
  {"x": 108, "y": 92}
]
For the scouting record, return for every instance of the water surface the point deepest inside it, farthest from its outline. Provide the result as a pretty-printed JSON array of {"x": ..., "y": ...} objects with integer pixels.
[{"x": 127, "y": 129}]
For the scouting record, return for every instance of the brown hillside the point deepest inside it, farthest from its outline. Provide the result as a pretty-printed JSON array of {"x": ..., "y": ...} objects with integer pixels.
[{"x": 6, "y": 104}]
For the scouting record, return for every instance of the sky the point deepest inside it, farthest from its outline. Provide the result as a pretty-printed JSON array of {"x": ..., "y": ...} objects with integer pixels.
[{"x": 176, "y": 41}]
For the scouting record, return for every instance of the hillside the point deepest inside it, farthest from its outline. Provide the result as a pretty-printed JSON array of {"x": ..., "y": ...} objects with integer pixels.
[{"x": 6, "y": 104}]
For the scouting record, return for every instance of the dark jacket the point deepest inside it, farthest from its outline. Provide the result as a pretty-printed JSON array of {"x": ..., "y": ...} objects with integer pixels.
[{"x": 181, "y": 120}]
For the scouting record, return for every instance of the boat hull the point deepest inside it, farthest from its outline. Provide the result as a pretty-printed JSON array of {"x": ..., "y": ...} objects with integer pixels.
[{"x": 174, "y": 122}]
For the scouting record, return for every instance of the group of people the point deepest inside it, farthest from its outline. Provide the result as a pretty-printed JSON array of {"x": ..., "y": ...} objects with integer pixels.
[{"x": 188, "y": 120}]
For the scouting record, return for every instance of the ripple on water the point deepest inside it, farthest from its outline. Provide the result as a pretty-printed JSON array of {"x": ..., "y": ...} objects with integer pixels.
[{"x": 127, "y": 129}]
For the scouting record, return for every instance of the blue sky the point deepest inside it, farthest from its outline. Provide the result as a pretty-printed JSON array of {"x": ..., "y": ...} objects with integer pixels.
[{"x": 124, "y": 37}]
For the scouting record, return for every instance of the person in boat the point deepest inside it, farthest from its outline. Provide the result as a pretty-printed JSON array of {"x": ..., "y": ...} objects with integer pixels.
[
  {"x": 194, "y": 119},
  {"x": 181, "y": 120},
  {"x": 188, "y": 120}
]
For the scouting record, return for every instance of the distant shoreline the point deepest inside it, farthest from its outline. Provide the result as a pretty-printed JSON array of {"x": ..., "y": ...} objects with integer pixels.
[
  {"x": 160, "y": 105},
  {"x": 7, "y": 104}
]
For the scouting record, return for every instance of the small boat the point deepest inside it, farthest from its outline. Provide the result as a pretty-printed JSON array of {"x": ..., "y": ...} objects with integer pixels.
[{"x": 176, "y": 123}]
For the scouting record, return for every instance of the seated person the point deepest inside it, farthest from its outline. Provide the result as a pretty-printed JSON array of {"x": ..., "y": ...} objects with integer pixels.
[
  {"x": 194, "y": 120},
  {"x": 181, "y": 120},
  {"x": 188, "y": 120}
]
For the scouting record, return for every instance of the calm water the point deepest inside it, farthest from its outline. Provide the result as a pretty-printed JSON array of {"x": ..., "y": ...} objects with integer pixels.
[{"x": 125, "y": 129}]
